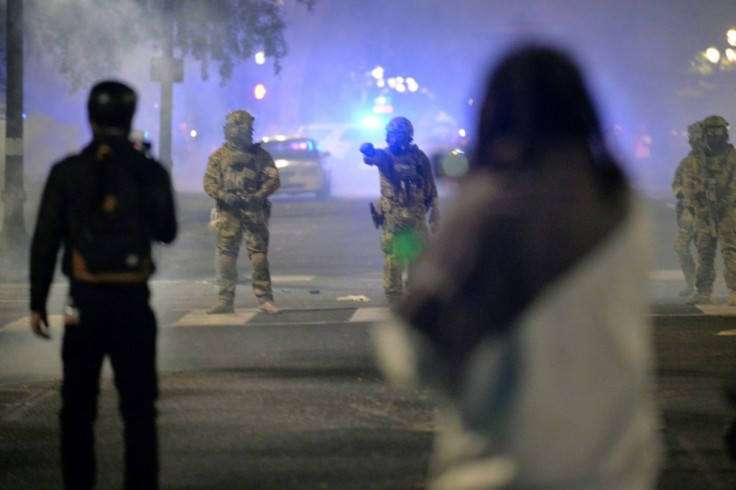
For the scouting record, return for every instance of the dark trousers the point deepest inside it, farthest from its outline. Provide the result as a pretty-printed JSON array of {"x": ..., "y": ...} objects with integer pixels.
[{"x": 122, "y": 327}]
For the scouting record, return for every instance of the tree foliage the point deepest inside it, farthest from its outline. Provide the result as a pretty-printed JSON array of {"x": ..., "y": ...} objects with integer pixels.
[{"x": 88, "y": 37}]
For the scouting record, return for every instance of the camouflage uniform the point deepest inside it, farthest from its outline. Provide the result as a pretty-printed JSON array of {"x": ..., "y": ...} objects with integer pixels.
[
  {"x": 408, "y": 194},
  {"x": 710, "y": 190},
  {"x": 685, "y": 234},
  {"x": 240, "y": 176}
]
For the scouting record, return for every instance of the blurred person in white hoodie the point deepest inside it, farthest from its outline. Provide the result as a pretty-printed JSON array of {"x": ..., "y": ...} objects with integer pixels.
[{"x": 527, "y": 313}]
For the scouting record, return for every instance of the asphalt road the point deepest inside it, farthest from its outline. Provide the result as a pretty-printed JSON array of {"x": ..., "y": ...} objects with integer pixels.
[{"x": 295, "y": 400}]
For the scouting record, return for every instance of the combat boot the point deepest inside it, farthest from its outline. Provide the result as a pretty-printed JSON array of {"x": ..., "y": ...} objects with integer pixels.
[
  {"x": 732, "y": 297},
  {"x": 700, "y": 299},
  {"x": 267, "y": 306},
  {"x": 221, "y": 307}
]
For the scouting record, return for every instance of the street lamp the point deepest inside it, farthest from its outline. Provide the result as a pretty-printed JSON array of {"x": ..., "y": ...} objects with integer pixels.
[
  {"x": 715, "y": 59},
  {"x": 731, "y": 36},
  {"x": 713, "y": 55}
]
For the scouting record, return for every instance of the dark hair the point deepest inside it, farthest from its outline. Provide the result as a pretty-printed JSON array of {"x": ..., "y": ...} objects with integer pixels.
[
  {"x": 535, "y": 97},
  {"x": 111, "y": 104}
]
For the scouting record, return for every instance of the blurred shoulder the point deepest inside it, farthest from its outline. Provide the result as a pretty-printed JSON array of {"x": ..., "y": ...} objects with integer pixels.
[
  {"x": 731, "y": 153},
  {"x": 418, "y": 152}
]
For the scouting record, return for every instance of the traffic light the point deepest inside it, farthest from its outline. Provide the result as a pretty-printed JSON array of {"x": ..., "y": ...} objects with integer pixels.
[{"x": 259, "y": 91}]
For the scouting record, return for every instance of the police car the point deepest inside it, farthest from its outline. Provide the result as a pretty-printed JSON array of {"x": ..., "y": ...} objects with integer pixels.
[{"x": 303, "y": 166}]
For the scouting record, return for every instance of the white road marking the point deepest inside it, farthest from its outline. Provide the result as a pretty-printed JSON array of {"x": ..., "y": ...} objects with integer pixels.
[
  {"x": 376, "y": 314},
  {"x": 720, "y": 310},
  {"x": 200, "y": 318},
  {"x": 666, "y": 275},
  {"x": 274, "y": 279}
]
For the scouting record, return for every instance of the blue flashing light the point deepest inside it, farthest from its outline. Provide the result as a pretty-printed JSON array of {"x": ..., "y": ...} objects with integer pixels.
[{"x": 372, "y": 122}]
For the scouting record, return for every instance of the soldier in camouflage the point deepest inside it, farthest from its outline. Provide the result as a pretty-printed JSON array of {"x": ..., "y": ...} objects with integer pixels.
[
  {"x": 709, "y": 189},
  {"x": 408, "y": 195},
  {"x": 685, "y": 221},
  {"x": 240, "y": 177}
]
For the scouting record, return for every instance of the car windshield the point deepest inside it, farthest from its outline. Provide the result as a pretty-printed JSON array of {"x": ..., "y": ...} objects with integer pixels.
[{"x": 302, "y": 149}]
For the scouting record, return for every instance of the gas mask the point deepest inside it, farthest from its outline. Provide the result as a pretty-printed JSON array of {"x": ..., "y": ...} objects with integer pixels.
[
  {"x": 398, "y": 141},
  {"x": 716, "y": 138},
  {"x": 399, "y": 134},
  {"x": 239, "y": 129}
]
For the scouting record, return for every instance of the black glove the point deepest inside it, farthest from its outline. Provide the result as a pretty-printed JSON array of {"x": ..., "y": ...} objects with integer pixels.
[{"x": 367, "y": 149}]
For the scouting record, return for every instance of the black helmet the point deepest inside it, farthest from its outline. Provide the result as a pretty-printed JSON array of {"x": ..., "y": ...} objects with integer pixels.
[
  {"x": 400, "y": 124},
  {"x": 111, "y": 105},
  {"x": 399, "y": 134}
]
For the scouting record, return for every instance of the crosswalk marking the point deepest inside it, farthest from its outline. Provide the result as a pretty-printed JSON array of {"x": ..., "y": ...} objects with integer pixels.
[
  {"x": 666, "y": 275},
  {"x": 200, "y": 318},
  {"x": 719, "y": 310},
  {"x": 370, "y": 314},
  {"x": 244, "y": 316},
  {"x": 277, "y": 279}
]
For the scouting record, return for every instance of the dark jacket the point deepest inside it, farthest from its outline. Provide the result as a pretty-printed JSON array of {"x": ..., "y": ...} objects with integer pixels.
[{"x": 71, "y": 187}]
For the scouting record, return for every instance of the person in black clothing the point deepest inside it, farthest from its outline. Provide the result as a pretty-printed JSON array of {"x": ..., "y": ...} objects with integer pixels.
[{"x": 108, "y": 313}]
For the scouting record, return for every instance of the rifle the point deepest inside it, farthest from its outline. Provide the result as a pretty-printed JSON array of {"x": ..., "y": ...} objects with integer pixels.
[{"x": 377, "y": 217}]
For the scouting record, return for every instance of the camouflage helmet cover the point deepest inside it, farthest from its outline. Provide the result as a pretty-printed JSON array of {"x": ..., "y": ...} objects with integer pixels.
[
  {"x": 400, "y": 124},
  {"x": 714, "y": 122},
  {"x": 239, "y": 117},
  {"x": 239, "y": 127},
  {"x": 695, "y": 129}
]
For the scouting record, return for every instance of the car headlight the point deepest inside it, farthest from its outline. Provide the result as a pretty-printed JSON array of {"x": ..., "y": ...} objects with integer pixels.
[{"x": 281, "y": 163}]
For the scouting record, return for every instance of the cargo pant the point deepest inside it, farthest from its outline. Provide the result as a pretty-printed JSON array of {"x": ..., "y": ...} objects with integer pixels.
[
  {"x": 684, "y": 237},
  {"x": 721, "y": 233},
  {"x": 232, "y": 227},
  {"x": 404, "y": 235}
]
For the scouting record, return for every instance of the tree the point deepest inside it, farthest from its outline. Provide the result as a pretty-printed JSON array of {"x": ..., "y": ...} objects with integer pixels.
[{"x": 86, "y": 37}]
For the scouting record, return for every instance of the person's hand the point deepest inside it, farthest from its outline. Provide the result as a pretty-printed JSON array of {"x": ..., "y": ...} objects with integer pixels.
[
  {"x": 230, "y": 198},
  {"x": 367, "y": 149},
  {"x": 40, "y": 324},
  {"x": 249, "y": 199}
]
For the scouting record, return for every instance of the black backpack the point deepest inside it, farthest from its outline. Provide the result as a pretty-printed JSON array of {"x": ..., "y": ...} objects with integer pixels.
[{"x": 114, "y": 242}]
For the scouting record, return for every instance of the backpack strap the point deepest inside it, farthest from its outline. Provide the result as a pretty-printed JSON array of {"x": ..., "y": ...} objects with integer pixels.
[{"x": 82, "y": 274}]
